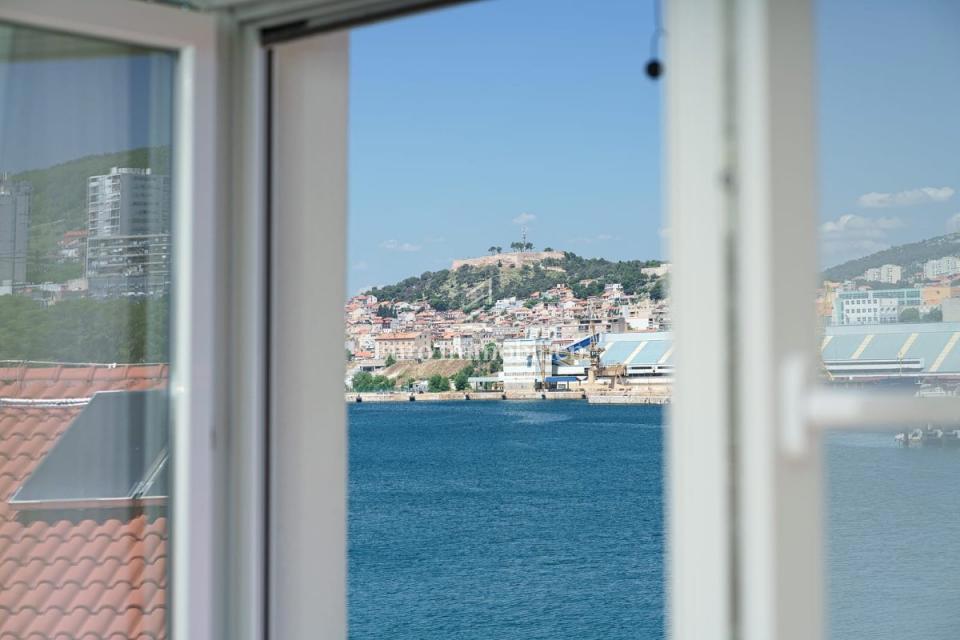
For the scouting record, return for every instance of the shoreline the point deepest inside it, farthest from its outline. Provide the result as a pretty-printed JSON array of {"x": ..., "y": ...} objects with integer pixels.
[{"x": 487, "y": 396}]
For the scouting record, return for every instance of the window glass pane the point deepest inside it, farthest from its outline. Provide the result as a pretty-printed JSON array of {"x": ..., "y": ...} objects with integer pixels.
[
  {"x": 507, "y": 335},
  {"x": 888, "y": 309},
  {"x": 85, "y": 241}
]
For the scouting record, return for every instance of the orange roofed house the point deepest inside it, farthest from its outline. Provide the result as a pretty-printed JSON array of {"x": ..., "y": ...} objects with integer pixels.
[
  {"x": 71, "y": 569},
  {"x": 402, "y": 346}
]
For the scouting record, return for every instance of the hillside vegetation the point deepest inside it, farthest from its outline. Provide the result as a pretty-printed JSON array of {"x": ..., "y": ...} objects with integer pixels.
[
  {"x": 117, "y": 330},
  {"x": 467, "y": 287},
  {"x": 424, "y": 370},
  {"x": 909, "y": 256},
  {"x": 59, "y": 204}
]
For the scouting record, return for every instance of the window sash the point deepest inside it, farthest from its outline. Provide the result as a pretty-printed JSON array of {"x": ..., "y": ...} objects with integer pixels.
[{"x": 195, "y": 299}]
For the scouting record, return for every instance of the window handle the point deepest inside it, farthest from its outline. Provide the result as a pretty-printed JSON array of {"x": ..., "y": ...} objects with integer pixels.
[{"x": 809, "y": 407}]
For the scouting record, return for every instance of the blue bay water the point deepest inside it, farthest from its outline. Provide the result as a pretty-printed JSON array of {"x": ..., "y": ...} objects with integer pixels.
[
  {"x": 545, "y": 520},
  {"x": 506, "y": 520}
]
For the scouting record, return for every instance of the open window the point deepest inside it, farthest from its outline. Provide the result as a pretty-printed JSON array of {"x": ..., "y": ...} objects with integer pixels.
[{"x": 108, "y": 288}]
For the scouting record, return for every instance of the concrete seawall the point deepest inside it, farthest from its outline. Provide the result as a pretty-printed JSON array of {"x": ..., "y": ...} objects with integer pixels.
[{"x": 591, "y": 397}]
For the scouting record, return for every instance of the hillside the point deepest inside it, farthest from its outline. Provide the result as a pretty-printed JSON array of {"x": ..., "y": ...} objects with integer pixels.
[
  {"x": 59, "y": 203},
  {"x": 470, "y": 287},
  {"x": 423, "y": 370},
  {"x": 909, "y": 256}
]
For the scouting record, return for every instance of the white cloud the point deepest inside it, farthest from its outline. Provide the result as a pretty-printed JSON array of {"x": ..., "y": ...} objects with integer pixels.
[
  {"x": 360, "y": 266},
  {"x": 923, "y": 195},
  {"x": 395, "y": 245},
  {"x": 851, "y": 236},
  {"x": 953, "y": 223},
  {"x": 524, "y": 218}
]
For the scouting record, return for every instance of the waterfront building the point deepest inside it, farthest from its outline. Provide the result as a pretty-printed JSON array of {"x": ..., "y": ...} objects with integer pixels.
[
  {"x": 925, "y": 351},
  {"x": 128, "y": 241},
  {"x": 873, "y": 307},
  {"x": 526, "y": 362},
  {"x": 402, "y": 346},
  {"x": 14, "y": 230}
]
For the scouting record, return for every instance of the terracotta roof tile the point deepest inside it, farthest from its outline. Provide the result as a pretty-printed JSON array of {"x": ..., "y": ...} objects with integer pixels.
[{"x": 64, "y": 575}]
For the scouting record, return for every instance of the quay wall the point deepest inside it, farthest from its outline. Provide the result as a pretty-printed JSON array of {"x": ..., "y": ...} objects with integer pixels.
[{"x": 591, "y": 397}]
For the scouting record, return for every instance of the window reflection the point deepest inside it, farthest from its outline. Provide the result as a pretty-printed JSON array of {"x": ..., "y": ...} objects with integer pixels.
[{"x": 85, "y": 244}]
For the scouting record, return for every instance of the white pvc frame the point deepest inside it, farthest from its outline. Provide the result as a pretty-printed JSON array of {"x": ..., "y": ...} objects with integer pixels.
[
  {"x": 198, "y": 426},
  {"x": 745, "y": 541}
]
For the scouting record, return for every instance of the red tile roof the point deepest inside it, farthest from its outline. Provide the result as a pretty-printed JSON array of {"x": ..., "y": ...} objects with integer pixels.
[{"x": 72, "y": 575}]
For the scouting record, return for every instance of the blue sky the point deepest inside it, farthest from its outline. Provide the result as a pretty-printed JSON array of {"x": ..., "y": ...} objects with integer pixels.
[
  {"x": 889, "y": 126},
  {"x": 469, "y": 120},
  {"x": 55, "y": 111},
  {"x": 466, "y": 120}
]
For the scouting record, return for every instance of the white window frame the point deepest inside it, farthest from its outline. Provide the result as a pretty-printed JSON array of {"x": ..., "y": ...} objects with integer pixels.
[
  {"x": 743, "y": 462},
  {"x": 742, "y": 194},
  {"x": 198, "y": 423}
]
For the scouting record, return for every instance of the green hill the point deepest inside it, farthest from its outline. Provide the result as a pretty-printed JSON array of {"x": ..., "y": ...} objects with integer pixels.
[
  {"x": 471, "y": 287},
  {"x": 59, "y": 204},
  {"x": 909, "y": 256}
]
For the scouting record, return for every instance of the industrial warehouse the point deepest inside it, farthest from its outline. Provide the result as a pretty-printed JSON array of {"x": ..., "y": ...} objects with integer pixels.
[{"x": 919, "y": 353}]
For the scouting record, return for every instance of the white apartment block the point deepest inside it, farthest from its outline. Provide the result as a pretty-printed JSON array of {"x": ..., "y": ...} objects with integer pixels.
[
  {"x": 457, "y": 346},
  {"x": 946, "y": 266},
  {"x": 888, "y": 274},
  {"x": 526, "y": 361}
]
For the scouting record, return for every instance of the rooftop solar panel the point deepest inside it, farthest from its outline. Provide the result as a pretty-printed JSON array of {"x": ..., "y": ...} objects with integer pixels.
[{"x": 115, "y": 450}]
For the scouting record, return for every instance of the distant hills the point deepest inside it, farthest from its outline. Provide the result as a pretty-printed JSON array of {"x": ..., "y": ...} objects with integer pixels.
[
  {"x": 909, "y": 256},
  {"x": 472, "y": 287},
  {"x": 59, "y": 203}
]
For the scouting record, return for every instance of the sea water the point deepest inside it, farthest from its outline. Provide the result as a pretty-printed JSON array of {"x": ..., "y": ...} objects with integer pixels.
[{"x": 489, "y": 519}]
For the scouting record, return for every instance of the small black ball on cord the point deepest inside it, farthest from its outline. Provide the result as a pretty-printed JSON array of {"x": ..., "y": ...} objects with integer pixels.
[{"x": 654, "y": 69}]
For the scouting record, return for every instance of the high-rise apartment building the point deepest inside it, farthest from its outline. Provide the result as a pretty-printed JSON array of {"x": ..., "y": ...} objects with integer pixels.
[
  {"x": 128, "y": 244},
  {"x": 14, "y": 230},
  {"x": 888, "y": 274},
  {"x": 946, "y": 266}
]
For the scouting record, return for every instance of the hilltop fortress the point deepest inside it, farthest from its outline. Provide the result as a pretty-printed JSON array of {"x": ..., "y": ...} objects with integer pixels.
[{"x": 513, "y": 259}]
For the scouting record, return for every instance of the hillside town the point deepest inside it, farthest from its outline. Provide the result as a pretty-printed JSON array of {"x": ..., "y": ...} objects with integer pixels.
[
  {"x": 380, "y": 333},
  {"x": 892, "y": 321}
]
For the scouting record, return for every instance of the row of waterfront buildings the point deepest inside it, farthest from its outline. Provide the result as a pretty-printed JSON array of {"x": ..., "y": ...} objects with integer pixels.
[{"x": 123, "y": 249}]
